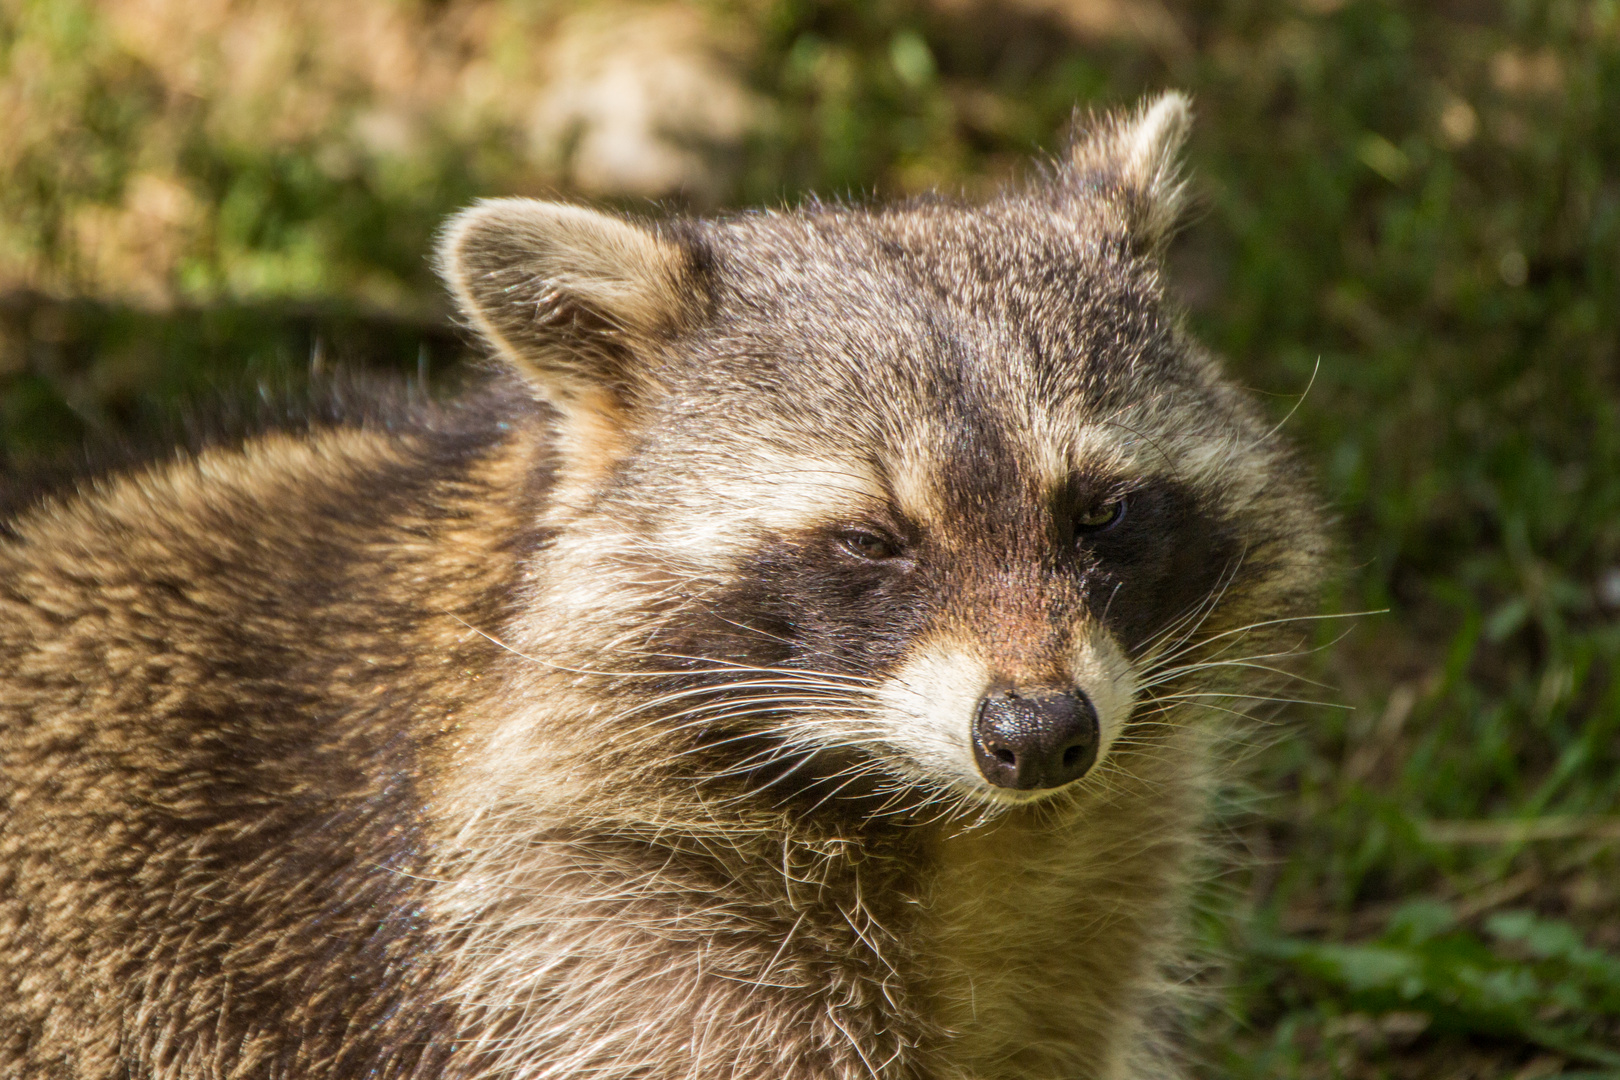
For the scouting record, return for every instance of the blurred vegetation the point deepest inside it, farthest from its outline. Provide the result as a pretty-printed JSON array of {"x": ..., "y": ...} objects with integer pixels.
[{"x": 1412, "y": 209}]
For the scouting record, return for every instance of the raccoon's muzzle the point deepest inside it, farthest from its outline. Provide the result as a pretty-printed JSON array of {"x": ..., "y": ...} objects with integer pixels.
[{"x": 1030, "y": 740}]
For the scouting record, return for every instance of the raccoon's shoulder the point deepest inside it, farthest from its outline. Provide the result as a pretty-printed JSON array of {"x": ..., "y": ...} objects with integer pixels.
[
  {"x": 377, "y": 502},
  {"x": 364, "y": 405},
  {"x": 342, "y": 429}
]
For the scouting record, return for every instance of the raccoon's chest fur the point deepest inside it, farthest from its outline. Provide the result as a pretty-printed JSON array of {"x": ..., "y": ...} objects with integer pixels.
[
  {"x": 1048, "y": 939},
  {"x": 1026, "y": 948},
  {"x": 796, "y": 664}
]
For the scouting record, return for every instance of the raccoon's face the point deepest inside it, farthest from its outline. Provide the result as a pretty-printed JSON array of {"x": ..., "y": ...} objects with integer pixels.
[{"x": 932, "y": 498}]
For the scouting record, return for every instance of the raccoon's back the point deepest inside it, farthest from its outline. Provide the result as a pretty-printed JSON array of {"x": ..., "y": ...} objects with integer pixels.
[{"x": 221, "y": 681}]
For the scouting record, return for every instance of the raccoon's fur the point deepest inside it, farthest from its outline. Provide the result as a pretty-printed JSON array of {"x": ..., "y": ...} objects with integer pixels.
[{"x": 636, "y": 716}]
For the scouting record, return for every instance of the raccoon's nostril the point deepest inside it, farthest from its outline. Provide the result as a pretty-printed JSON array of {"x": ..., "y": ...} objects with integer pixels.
[{"x": 1035, "y": 739}]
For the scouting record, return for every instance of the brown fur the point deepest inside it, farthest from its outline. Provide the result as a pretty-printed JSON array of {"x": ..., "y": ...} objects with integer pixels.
[{"x": 556, "y": 732}]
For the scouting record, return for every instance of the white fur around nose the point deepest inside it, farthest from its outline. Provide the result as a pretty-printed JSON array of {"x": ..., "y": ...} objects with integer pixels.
[
  {"x": 928, "y": 709},
  {"x": 1105, "y": 675},
  {"x": 929, "y": 704}
]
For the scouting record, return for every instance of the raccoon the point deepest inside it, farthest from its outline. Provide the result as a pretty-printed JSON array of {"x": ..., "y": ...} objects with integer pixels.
[{"x": 799, "y": 658}]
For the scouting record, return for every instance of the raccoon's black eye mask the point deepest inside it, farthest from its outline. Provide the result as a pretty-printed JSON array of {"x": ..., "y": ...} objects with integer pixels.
[
  {"x": 1100, "y": 516},
  {"x": 871, "y": 545},
  {"x": 1090, "y": 505}
]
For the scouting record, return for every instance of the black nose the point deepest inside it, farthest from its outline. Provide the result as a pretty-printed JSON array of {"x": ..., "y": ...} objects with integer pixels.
[{"x": 1034, "y": 739}]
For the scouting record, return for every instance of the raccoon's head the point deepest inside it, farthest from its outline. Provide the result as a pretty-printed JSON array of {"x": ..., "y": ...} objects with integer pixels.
[{"x": 934, "y": 497}]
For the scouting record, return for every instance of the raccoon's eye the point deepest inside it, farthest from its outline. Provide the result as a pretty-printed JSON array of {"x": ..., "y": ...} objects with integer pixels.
[
  {"x": 1099, "y": 518},
  {"x": 868, "y": 545}
]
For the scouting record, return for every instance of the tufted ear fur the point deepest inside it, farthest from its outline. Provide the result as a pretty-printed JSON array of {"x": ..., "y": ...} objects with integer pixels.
[
  {"x": 576, "y": 299},
  {"x": 1135, "y": 157}
]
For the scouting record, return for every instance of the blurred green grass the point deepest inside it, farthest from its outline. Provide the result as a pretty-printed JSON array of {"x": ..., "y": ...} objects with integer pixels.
[{"x": 1412, "y": 210}]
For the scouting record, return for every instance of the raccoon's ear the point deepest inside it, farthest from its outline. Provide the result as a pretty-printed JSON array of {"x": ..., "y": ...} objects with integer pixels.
[
  {"x": 1136, "y": 158},
  {"x": 575, "y": 298}
]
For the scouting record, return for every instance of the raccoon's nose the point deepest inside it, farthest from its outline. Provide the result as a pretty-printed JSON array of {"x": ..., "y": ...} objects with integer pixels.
[{"x": 1034, "y": 739}]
